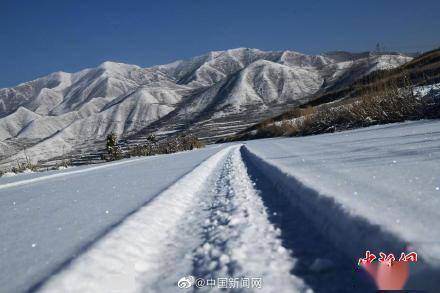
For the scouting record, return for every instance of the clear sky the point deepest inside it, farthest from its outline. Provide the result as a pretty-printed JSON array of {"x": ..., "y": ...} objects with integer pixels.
[{"x": 38, "y": 37}]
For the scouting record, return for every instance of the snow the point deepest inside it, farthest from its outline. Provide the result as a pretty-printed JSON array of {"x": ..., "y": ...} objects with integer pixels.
[
  {"x": 165, "y": 132},
  {"x": 237, "y": 217},
  {"x": 62, "y": 110},
  {"x": 427, "y": 89},
  {"x": 383, "y": 62},
  {"x": 34, "y": 206},
  {"x": 239, "y": 237},
  {"x": 297, "y": 212},
  {"x": 137, "y": 257},
  {"x": 386, "y": 175},
  {"x": 8, "y": 174},
  {"x": 13, "y": 124}
]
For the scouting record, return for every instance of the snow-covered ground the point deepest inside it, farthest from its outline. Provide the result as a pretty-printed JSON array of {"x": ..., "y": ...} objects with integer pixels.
[
  {"x": 295, "y": 212},
  {"x": 433, "y": 89},
  {"x": 47, "y": 219},
  {"x": 376, "y": 188}
]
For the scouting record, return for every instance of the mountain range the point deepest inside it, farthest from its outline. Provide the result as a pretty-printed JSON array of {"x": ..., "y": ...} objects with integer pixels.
[{"x": 212, "y": 96}]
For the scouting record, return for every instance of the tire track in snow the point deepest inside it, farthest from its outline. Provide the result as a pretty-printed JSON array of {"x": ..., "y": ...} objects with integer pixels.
[
  {"x": 239, "y": 240},
  {"x": 335, "y": 233},
  {"x": 137, "y": 255},
  {"x": 322, "y": 265},
  {"x": 211, "y": 223}
]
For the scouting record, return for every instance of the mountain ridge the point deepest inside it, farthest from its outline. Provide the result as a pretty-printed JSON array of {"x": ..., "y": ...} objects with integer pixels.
[{"x": 241, "y": 85}]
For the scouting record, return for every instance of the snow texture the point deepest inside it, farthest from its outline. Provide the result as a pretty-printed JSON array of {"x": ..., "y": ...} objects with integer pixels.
[
  {"x": 377, "y": 186},
  {"x": 236, "y": 237},
  {"x": 58, "y": 113},
  {"x": 65, "y": 212},
  {"x": 298, "y": 212}
]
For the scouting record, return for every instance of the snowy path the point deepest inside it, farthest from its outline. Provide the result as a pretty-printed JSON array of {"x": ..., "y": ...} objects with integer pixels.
[
  {"x": 45, "y": 224},
  {"x": 376, "y": 188},
  {"x": 238, "y": 239},
  {"x": 211, "y": 224}
]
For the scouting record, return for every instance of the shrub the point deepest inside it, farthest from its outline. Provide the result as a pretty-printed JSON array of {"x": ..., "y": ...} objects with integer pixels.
[
  {"x": 152, "y": 138},
  {"x": 166, "y": 146},
  {"x": 113, "y": 150},
  {"x": 22, "y": 167},
  {"x": 386, "y": 103}
]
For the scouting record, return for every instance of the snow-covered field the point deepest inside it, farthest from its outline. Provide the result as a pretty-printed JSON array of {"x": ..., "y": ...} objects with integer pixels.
[{"x": 295, "y": 213}]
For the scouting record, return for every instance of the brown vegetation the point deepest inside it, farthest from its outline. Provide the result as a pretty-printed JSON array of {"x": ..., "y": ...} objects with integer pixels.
[
  {"x": 383, "y": 96},
  {"x": 167, "y": 146},
  {"x": 385, "y": 103}
]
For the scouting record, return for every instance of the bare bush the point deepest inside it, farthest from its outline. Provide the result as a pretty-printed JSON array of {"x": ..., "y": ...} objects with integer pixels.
[
  {"x": 27, "y": 165},
  {"x": 113, "y": 150},
  {"x": 386, "y": 103},
  {"x": 167, "y": 146},
  {"x": 21, "y": 167}
]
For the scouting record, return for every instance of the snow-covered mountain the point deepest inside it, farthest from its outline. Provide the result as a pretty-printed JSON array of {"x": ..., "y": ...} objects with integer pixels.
[{"x": 214, "y": 94}]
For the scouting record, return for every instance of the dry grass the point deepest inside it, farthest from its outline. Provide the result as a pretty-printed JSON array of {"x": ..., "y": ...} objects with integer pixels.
[
  {"x": 387, "y": 102},
  {"x": 23, "y": 166},
  {"x": 167, "y": 146}
]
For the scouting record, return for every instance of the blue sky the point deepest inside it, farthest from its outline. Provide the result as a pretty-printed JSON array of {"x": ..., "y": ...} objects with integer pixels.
[{"x": 40, "y": 37}]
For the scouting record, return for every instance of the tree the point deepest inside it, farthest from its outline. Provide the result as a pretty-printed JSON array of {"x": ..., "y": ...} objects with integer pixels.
[
  {"x": 113, "y": 150},
  {"x": 152, "y": 138}
]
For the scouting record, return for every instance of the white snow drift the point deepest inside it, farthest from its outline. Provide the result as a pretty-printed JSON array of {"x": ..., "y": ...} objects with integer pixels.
[{"x": 143, "y": 224}]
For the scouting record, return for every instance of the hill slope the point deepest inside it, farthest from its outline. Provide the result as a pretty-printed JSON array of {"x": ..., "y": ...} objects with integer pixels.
[
  {"x": 215, "y": 94},
  {"x": 393, "y": 94}
]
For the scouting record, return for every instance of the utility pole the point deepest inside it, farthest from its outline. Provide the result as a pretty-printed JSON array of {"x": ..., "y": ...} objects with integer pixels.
[{"x": 378, "y": 47}]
